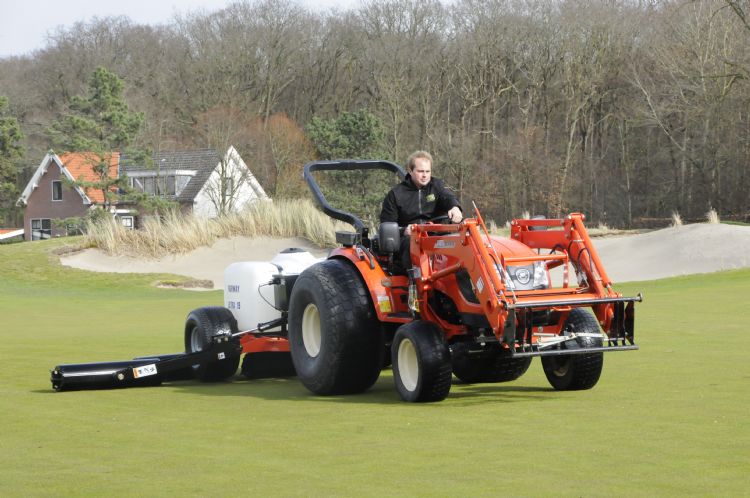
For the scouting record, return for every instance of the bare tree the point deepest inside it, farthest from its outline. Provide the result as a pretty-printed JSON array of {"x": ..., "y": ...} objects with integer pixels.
[{"x": 223, "y": 129}]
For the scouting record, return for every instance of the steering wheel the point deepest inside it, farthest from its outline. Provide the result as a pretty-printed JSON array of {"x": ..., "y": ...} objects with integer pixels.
[
  {"x": 440, "y": 220},
  {"x": 437, "y": 220}
]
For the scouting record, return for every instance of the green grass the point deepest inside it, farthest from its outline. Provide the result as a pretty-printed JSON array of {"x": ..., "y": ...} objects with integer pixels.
[{"x": 670, "y": 419}]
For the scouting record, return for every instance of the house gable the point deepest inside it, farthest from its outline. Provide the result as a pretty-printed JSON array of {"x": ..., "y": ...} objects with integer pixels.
[
  {"x": 74, "y": 166},
  {"x": 246, "y": 187},
  {"x": 189, "y": 177},
  {"x": 49, "y": 194},
  {"x": 50, "y": 160}
]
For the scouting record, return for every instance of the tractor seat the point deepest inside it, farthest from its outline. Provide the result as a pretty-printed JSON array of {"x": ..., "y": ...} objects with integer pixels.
[{"x": 389, "y": 238}]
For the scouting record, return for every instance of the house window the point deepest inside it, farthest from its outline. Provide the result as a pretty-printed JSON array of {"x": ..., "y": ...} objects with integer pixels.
[
  {"x": 41, "y": 229},
  {"x": 228, "y": 187},
  {"x": 127, "y": 222},
  {"x": 169, "y": 188},
  {"x": 148, "y": 185},
  {"x": 163, "y": 186},
  {"x": 181, "y": 182},
  {"x": 56, "y": 190}
]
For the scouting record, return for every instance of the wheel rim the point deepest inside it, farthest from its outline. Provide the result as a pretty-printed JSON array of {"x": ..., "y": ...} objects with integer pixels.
[
  {"x": 196, "y": 342},
  {"x": 311, "y": 335},
  {"x": 408, "y": 365},
  {"x": 560, "y": 367}
]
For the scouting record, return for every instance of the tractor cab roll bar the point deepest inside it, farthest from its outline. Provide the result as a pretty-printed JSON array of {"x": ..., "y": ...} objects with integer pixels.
[{"x": 339, "y": 214}]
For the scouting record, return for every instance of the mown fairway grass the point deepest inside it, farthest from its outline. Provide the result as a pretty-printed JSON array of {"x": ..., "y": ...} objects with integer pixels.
[{"x": 670, "y": 419}]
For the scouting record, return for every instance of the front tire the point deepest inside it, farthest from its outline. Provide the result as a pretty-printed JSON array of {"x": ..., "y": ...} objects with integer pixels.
[
  {"x": 576, "y": 372},
  {"x": 334, "y": 335},
  {"x": 201, "y": 325},
  {"x": 421, "y": 362}
]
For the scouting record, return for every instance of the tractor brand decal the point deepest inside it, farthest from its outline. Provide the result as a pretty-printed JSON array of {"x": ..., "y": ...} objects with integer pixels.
[
  {"x": 430, "y": 198},
  {"x": 480, "y": 284},
  {"x": 523, "y": 276},
  {"x": 444, "y": 244},
  {"x": 145, "y": 371},
  {"x": 384, "y": 304}
]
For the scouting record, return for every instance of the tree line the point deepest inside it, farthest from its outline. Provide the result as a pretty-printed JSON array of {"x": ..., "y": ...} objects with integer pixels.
[{"x": 623, "y": 110}]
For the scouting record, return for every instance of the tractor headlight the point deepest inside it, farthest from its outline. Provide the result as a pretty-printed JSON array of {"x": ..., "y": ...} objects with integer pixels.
[{"x": 529, "y": 277}]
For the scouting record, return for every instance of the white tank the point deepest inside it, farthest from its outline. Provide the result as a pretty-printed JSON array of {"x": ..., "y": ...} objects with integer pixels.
[
  {"x": 294, "y": 260},
  {"x": 249, "y": 290}
]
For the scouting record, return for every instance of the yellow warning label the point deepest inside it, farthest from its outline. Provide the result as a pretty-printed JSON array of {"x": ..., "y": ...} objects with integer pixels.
[{"x": 384, "y": 304}]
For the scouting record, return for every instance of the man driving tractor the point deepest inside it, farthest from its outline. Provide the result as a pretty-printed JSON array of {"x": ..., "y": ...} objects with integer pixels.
[{"x": 420, "y": 197}]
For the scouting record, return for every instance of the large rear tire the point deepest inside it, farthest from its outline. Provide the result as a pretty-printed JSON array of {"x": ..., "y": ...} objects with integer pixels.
[
  {"x": 576, "y": 372},
  {"x": 334, "y": 335},
  {"x": 421, "y": 362},
  {"x": 200, "y": 326}
]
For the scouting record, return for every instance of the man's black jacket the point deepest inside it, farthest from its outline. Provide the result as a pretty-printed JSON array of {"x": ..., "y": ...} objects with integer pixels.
[{"x": 407, "y": 204}]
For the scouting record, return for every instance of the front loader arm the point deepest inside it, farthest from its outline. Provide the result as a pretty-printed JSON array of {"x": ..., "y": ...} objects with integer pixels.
[
  {"x": 570, "y": 237},
  {"x": 465, "y": 244},
  {"x": 469, "y": 247}
]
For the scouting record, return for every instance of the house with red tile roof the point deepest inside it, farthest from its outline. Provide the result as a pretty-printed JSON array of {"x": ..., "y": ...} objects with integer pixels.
[
  {"x": 196, "y": 180},
  {"x": 50, "y": 194}
]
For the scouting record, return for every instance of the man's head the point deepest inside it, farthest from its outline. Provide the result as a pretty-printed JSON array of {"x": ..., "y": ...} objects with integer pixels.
[{"x": 420, "y": 168}]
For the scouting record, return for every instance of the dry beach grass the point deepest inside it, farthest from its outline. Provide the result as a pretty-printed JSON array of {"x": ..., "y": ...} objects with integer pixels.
[
  {"x": 201, "y": 248},
  {"x": 180, "y": 234}
]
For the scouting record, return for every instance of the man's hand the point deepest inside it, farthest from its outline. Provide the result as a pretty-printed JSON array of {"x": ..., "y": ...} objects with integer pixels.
[{"x": 455, "y": 215}]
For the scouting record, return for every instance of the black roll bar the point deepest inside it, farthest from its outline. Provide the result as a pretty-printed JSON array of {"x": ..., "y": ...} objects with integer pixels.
[{"x": 346, "y": 165}]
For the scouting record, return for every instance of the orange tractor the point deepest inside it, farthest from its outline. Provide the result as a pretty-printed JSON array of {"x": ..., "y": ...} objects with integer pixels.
[{"x": 473, "y": 305}]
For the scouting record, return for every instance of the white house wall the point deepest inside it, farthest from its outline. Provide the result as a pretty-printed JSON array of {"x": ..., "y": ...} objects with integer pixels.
[{"x": 248, "y": 191}]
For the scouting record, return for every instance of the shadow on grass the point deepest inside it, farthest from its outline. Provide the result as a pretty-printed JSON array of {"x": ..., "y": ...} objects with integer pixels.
[
  {"x": 285, "y": 389},
  {"x": 382, "y": 392}
]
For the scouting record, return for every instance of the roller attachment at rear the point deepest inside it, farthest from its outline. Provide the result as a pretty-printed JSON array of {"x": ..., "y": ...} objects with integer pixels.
[
  {"x": 142, "y": 371},
  {"x": 105, "y": 375}
]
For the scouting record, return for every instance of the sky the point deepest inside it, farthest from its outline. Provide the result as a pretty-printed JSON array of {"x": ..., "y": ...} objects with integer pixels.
[{"x": 24, "y": 24}]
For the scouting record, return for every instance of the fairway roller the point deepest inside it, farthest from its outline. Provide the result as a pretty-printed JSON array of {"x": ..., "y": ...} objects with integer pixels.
[
  {"x": 213, "y": 341},
  {"x": 473, "y": 306}
]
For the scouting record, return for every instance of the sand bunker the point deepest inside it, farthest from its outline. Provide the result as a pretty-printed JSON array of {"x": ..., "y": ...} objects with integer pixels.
[{"x": 689, "y": 249}]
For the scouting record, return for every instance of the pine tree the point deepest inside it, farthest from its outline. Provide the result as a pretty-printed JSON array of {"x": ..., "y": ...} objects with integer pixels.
[
  {"x": 353, "y": 135},
  {"x": 100, "y": 123},
  {"x": 10, "y": 152}
]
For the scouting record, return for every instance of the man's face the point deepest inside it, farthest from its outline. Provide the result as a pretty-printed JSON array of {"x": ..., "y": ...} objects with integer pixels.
[{"x": 422, "y": 172}]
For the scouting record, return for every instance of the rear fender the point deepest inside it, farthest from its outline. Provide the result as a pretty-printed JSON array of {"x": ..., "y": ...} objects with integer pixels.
[{"x": 378, "y": 284}]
